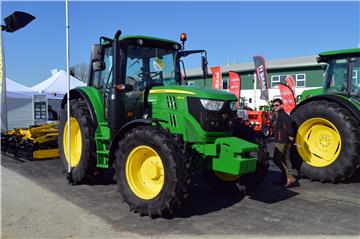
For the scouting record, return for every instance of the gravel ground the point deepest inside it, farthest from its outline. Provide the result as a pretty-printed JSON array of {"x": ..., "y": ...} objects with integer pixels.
[{"x": 38, "y": 202}]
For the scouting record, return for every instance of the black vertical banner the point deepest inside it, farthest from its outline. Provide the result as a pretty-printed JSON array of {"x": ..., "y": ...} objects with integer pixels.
[{"x": 261, "y": 74}]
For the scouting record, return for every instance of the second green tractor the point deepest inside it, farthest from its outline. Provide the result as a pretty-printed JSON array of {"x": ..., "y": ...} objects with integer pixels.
[{"x": 327, "y": 145}]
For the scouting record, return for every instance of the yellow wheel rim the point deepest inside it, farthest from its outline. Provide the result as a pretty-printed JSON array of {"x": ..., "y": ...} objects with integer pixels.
[
  {"x": 226, "y": 177},
  {"x": 145, "y": 172},
  {"x": 319, "y": 142},
  {"x": 75, "y": 142}
]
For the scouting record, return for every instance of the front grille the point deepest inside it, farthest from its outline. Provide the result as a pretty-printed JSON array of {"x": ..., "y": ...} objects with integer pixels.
[
  {"x": 212, "y": 121},
  {"x": 171, "y": 102},
  {"x": 172, "y": 118}
]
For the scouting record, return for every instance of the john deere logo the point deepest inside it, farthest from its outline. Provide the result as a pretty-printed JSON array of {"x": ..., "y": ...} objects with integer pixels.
[{"x": 225, "y": 116}]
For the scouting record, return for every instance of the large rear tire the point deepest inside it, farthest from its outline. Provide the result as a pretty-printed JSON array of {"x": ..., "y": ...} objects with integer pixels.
[
  {"x": 327, "y": 142},
  {"x": 152, "y": 172},
  {"x": 82, "y": 142}
]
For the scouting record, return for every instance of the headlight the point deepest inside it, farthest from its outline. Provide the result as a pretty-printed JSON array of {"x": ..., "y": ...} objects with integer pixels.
[
  {"x": 213, "y": 105},
  {"x": 233, "y": 105}
]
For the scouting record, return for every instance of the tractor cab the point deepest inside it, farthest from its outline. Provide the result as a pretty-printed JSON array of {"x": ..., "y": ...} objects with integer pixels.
[
  {"x": 126, "y": 68},
  {"x": 342, "y": 74}
]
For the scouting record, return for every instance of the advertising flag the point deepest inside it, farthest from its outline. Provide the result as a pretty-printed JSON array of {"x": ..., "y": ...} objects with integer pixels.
[
  {"x": 287, "y": 97},
  {"x": 216, "y": 78},
  {"x": 261, "y": 74},
  {"x": 3, "y": 88},
  {"x": 234, "y": 84},
  {"x": 291, "y": 83}
]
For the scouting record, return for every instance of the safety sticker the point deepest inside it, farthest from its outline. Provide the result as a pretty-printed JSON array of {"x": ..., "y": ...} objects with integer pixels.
[{"x": 158, "y": 64}]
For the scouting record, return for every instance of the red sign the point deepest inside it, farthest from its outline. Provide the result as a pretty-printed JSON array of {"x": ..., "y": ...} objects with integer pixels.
[
  {"x": 234, "y": 84},
  {"x": 216, "y": 78},
  {"x": 287, "y": 97},
  {"x": 291, "y": 83}
]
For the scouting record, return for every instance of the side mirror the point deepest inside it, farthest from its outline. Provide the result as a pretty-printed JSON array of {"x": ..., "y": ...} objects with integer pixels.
[
  {"x": 97, "y": 57},
  {"x": 204, "y": 66}
]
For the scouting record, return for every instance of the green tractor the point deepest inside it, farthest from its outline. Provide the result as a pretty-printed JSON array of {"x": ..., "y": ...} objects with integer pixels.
[
  {"x": 327, "y": 144},
  {"x": 136, "y": 116}
]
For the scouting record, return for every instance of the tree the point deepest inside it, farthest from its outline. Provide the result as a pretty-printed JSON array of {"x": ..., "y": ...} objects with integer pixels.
[{"x": 80, "y": 71}]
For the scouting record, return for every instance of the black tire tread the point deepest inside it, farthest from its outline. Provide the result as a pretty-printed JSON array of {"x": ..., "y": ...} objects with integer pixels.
[
  {"x": 350, "y": 162},
  {"x": 179, "y": 164},
  {"x": 86, "y": 169}
]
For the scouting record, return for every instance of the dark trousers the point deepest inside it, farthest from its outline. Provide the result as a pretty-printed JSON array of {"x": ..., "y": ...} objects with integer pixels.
[{"x": 281, "y": 156}]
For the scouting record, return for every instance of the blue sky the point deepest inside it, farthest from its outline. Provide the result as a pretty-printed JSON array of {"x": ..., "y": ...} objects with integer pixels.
[{"x": 229, "y": 31}]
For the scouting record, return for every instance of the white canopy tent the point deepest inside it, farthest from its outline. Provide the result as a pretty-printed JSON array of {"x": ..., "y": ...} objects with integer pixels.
[
  {"x": 17, "y": 90},
  {"x": 55, "y": 87},
  {"x": 19, "y": 98},
  {"x": 19, "y": 104}
]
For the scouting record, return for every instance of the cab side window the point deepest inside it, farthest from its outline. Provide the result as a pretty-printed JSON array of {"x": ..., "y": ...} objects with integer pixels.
[{"x": 104, "y": 77}]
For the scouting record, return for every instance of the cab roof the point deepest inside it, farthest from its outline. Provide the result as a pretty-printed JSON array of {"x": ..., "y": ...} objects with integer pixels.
[
  {"x": 134, "y": 38},
  {"x": 147, "y": 37},
  {"x": 328, "y": 55}
]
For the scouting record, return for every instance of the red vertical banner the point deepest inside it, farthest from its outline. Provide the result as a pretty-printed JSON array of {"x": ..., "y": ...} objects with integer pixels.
[
  {"x": 287, "y": 97},
  {"x": 291, "y": 83},
  {"x": 216, "y": 78},
  {"x": 234, "y": 84}
]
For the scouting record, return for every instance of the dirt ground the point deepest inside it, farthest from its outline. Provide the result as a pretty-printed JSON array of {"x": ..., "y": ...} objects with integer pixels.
[{"x": 37, "y": 202}]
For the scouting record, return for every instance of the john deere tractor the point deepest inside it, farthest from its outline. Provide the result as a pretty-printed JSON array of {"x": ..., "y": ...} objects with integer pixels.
[
  {"x": 327, "y": 145},
  {"x": 136, "y": 115}
]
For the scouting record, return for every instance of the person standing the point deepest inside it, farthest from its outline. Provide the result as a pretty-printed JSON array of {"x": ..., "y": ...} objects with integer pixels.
[
  {"x": 283, "y": 134},
  {"x": 52, "y": 114}
]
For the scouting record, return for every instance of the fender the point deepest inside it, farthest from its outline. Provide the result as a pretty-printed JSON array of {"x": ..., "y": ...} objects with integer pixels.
[
  {"x": 83, "y": 93},
  {"x": 125, "y": 128},
  {"x": 333, "y": 98}
]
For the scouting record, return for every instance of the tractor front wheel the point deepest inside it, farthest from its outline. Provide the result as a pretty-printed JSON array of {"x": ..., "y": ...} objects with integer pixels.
[
  {"x": 327, "y": 145},
  {"x": 152, "y": 172},
  {"x": 82, "y": 143}
]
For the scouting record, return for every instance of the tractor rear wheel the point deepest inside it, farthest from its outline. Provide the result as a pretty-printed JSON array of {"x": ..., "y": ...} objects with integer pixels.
[
  {"x": 82, "y": 142},
  {"x": 327, "y": 142},
  {"x": 152, "y": 172}
]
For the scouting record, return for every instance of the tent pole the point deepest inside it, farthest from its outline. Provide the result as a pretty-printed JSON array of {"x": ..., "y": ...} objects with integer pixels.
[{"x": 68, "y": 88}]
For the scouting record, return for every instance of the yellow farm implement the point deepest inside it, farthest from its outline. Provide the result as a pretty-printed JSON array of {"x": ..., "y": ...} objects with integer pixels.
[{"x": 38, "y": 142}]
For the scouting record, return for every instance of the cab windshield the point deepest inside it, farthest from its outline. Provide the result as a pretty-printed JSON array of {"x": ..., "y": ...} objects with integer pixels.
[
  {"x": 151, "y": 65},
  {"x": 337, "y": 76}
]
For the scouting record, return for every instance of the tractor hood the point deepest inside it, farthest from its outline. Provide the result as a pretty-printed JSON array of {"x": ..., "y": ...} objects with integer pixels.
[{"x": 194, "y": 91}]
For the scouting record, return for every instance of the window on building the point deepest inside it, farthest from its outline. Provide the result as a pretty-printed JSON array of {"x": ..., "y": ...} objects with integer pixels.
[
  {"x": 225, "y": 84},
  {"x": 300, "y": 80},
  {"x": 274, "y": 80},
  {"x": 355, "y": 78}
]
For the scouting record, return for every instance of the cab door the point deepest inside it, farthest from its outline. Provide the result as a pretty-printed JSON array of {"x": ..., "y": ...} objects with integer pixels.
[{"x": 102, "y": 79}]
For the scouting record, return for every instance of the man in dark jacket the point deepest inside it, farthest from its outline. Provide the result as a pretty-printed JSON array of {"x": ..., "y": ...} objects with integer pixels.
[{"x": 283, "y": 134}]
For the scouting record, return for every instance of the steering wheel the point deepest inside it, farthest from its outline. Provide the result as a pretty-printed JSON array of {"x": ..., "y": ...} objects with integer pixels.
[
  {"x": 150, "y": 74},
  {"x": 134, "y": 82}
]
